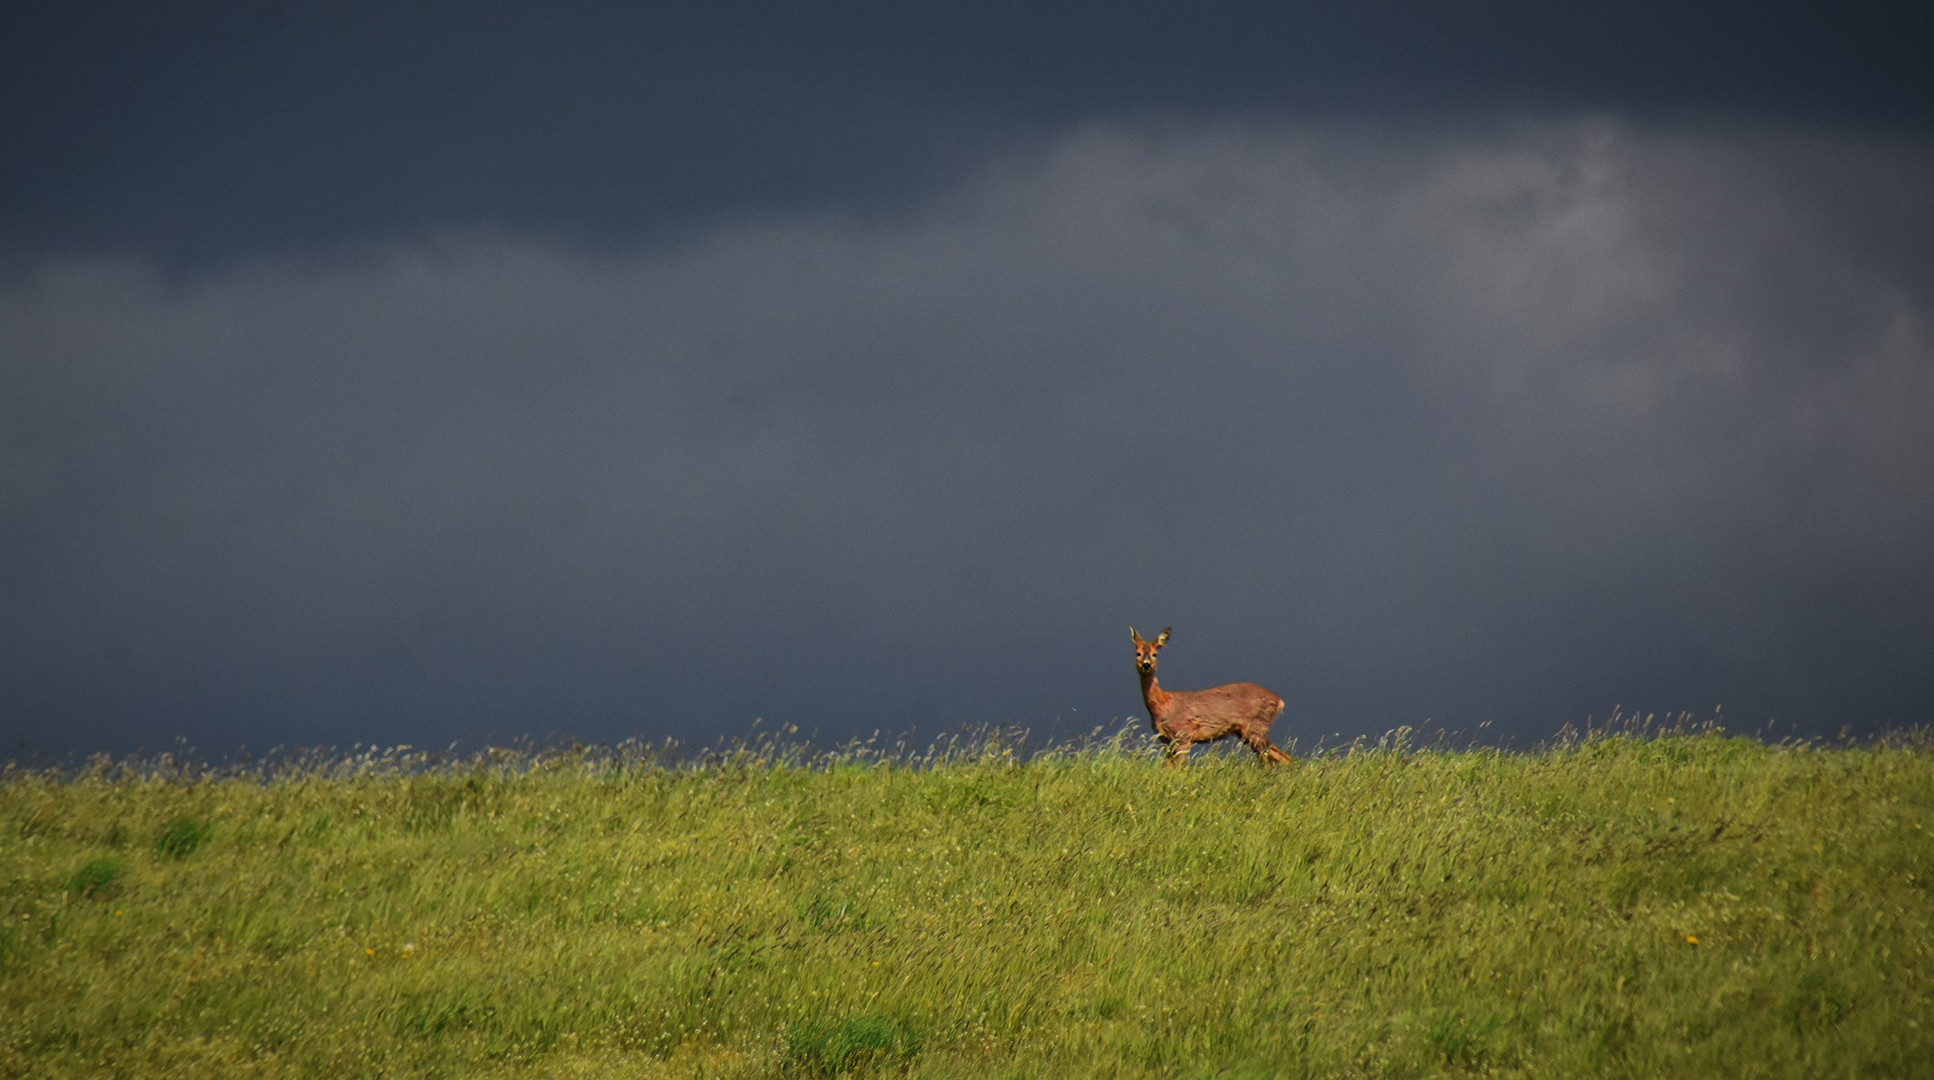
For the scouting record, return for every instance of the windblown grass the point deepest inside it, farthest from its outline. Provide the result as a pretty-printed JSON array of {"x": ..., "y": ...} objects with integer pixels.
[{"x": 1686, "y": 904}]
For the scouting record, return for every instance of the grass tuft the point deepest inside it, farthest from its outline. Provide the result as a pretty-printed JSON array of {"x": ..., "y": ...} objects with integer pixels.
[
  {"x": 182, "y": 836},
  {"x": 96, "y": 878},
  {"x": 860, "y": 1043}
]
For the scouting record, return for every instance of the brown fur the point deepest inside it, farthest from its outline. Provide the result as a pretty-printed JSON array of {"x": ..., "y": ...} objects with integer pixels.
[{"x": 1183, "y": 718}]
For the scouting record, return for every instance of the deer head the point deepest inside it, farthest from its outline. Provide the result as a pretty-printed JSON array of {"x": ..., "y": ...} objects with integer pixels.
[{"x": 1145, "y": 650}]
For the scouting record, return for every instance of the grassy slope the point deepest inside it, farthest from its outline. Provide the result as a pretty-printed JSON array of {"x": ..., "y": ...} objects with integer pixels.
[{"x": 1679, "y": 906}]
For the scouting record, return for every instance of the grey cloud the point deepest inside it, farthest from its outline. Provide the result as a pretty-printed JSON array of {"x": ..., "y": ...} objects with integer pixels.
[
  {"x": 1512, "y": 425},
  {"x": 196, "y": 134}
]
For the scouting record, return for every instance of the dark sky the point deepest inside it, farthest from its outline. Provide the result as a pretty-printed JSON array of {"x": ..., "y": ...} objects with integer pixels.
[{"x": 462, "y": 372}]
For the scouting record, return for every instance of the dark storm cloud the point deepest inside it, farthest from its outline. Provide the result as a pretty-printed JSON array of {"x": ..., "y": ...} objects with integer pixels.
[
  {"x": 195, "y": 133},
  {"x": 1512, "y": 423}
]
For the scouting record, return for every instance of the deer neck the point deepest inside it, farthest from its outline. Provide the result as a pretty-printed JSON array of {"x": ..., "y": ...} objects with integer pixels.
[{"x": 1154, "y": 696}]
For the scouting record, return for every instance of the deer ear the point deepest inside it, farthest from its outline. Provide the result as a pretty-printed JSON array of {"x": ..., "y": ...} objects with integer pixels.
[
  {"x": 1133, "y": 634},
  {"x": 1161, "y": 639}
]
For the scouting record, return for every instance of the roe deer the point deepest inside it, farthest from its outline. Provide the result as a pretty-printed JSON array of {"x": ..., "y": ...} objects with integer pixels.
[{"x": 1185, "y": 717}]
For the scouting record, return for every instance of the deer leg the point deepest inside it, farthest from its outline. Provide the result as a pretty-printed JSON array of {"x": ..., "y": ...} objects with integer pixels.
[
  {"x": 1269, "y": 752},
  {"x": 1178, "y": 753}
]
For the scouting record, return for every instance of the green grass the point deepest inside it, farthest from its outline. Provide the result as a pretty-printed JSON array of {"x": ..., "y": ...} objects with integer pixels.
[{"x": 1685, "y": 904}]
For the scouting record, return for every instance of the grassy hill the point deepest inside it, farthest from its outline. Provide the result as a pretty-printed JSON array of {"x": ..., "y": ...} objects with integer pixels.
[{"x": 1676, "y": 905}]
